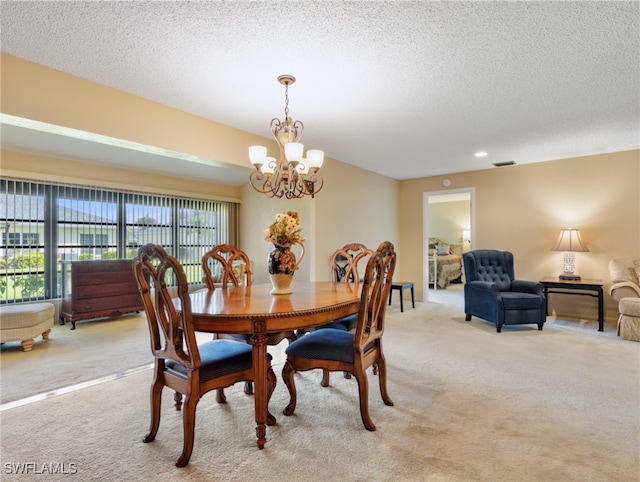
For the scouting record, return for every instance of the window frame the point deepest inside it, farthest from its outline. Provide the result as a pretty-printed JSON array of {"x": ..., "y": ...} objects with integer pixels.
[{"x": 66, "y": 220}]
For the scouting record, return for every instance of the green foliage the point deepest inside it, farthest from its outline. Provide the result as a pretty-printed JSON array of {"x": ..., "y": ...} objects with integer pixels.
[
  {"x": 109, "y": 255},
  {"x": 29, "y": 285},
  {"x": 32, "y": 285},
  {"x": 85, "y": 257},
  {"x": 147, "y": 221},
  {"x": 32, "y": 259}
]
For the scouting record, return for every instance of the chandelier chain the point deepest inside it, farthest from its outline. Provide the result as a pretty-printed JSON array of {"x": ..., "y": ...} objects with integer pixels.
[{"x": 286, "y": 101}]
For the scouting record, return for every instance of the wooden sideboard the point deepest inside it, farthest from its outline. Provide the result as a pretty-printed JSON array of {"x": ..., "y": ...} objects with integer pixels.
[{"x": 98, "y": 289}]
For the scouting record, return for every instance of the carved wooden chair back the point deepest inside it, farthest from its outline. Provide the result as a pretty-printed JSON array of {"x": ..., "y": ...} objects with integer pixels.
[
  {"x": 230, "y": 259},
  {"x": 180, "y": 363},
  {"x": 235, "y": 269},
  {"x": 345, "y": 261},
  {"x": 373, "y": 300},
  {"x": 338, "y": 350},
  {"x": 172, "y": 335}
]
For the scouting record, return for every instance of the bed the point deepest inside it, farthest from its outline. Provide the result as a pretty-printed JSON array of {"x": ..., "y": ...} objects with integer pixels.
[{"x": 445, "y": 263}]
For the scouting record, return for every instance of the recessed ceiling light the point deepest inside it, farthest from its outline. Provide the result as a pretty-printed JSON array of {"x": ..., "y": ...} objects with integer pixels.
[{"x": 481, "y": 154}]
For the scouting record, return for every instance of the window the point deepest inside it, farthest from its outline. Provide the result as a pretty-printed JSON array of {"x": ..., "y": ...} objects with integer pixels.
[
  {"x": 45, "y": 224},
  {"x": 19, "y": 239}
]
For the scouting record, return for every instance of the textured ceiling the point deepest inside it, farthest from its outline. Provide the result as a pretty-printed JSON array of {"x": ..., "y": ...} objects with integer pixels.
[{"x": 406, "y": 89}]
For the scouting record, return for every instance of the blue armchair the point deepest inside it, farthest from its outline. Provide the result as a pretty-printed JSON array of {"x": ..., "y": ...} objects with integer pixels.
[{"x": 492, "y": 293}]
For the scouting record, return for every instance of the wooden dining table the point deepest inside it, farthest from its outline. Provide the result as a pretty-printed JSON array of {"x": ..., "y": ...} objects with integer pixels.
[{"x": 254, "y": 310}]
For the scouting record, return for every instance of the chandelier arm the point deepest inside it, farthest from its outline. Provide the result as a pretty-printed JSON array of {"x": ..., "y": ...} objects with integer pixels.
[
  {"x": 298, "y": 129},
  {"x": 313, "y": 184},
  {"x": 260, "y": 182}
]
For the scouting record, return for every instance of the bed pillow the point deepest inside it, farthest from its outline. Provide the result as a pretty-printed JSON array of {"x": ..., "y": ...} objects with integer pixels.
[{"x": 443, "y": 249}]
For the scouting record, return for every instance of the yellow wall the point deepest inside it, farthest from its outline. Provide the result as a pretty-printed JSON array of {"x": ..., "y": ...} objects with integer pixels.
[
  {"x": 523, "y": 208},
  {"x": 355, "y": 205},
  {"x": 35, "y": 92},
  {"x": 51, "y": 169},
  {"x": 519, "y": 208}
]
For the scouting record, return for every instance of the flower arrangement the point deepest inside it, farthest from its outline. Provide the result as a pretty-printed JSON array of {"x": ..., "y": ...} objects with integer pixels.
[{"x": 285, "y": 231}]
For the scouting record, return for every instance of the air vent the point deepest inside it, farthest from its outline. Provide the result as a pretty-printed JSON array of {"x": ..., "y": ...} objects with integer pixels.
[{"x": 505, "y": 163}]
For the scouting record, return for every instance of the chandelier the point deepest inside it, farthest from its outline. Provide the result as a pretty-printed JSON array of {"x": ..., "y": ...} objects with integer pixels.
[{"x": 292, "y": 175}]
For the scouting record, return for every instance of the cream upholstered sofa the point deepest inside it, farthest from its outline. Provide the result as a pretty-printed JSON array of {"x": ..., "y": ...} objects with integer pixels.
[
  {"x": 24, "y": 322},
  {"x": 625, "y": 289}
]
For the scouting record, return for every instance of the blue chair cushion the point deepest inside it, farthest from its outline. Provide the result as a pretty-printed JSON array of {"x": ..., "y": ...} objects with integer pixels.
[
  {"x": 520, "y": 301},
  {"x": 219, "y": 358},
  {"x": 348, "y": 323},
  {"x": 325, "y": 344}
]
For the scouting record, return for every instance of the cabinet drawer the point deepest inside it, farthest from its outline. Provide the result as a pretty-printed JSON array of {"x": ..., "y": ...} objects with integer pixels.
[
  {"x": 120, "y": 303},
  {"x": 102, "y": 266},
  {"x": 106, "y": 290},
  {"x": 104, "y": 278}
]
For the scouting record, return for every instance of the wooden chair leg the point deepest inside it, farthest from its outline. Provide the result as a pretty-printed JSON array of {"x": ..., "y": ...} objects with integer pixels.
[
  {"x": 188, "y": 429},
  {"x": 271, "y": 386},
  {"x": 287, "y": 377},
  {"x": 363, "y": 393},
  {"x": 156, "y": 402},
  {"x": 220, "y": 396},
  {"x": 177, "y": 399},
  {"x": 325, "y": 378},
  {"x": 382, "y": 378}
]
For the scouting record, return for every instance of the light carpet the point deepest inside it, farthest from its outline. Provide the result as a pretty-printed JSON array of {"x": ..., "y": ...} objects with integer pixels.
[{"x": 470, "y": 405}]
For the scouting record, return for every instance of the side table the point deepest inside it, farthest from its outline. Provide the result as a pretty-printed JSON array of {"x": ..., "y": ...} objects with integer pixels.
[
  {"x": 401, "y": 286},
  {"x": 582, "y": 287}
]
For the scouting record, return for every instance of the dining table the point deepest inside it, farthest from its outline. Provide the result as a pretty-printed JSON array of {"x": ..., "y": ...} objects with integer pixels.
[{"x": 254, "y": 310}]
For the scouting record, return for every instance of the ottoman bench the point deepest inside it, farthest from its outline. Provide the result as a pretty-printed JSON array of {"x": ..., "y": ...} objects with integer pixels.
[
  {"x": 23, "y": 322},
  {"x": 629, "y": 321}
]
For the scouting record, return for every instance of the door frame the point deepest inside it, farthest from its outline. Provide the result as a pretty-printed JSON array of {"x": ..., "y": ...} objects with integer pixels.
[{"x": 425, "y": 228}]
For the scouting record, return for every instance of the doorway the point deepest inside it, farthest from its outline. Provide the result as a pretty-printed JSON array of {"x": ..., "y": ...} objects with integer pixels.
[{"x": 450, "y": 216}]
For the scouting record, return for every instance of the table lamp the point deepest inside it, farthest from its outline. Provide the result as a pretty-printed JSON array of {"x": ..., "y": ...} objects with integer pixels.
[{"x": 570, "y": 242}]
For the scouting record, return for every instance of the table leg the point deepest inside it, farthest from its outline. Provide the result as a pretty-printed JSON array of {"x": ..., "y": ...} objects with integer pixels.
[
  {"x": 260, "y": 367},
  {"x": 600, "y": 310},
  {"x": 413, "y": 300},
  {"x": 545, "y": 291}
]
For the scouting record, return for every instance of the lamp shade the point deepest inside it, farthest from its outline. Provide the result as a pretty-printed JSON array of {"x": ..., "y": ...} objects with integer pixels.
[
  {"x": 570, "y": 241},
  {"x": 316, "y": 158},
  {"x": 257, "y": 154},
  {"x": 293, "y": 151}
]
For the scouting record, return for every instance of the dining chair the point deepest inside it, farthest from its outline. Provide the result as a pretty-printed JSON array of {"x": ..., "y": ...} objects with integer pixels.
[
  {"x": 343, "y": 268},
  {"x": 179, "y": 362},
  {"x": 227, "y": 266},
  {"x": 334, "y": 349}
]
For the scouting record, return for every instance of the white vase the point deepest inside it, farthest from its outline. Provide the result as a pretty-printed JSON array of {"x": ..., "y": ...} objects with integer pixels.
[{"x": 281, "y": 283}]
